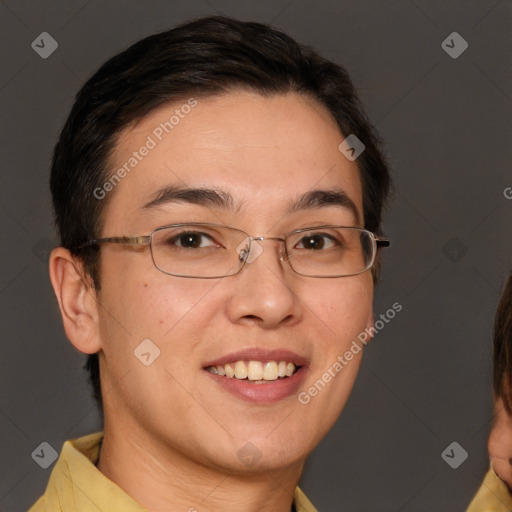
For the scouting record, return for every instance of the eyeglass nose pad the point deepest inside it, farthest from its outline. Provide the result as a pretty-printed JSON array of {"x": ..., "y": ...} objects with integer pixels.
[
  {"x": 248, "y": 251},
  {"x": 283, "y": 254}
]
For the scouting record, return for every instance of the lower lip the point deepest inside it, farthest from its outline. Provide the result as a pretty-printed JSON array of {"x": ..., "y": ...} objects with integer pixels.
[{"x": 264, "y": 393}]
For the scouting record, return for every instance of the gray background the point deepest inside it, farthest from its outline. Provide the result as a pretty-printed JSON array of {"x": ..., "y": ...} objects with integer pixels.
[{"x": 425, "y": 380}]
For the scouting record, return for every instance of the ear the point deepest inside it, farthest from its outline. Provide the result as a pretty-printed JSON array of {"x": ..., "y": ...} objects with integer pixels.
[{"x": 78, "y": 301}]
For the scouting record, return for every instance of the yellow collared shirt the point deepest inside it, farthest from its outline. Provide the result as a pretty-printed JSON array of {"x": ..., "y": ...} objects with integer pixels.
[
  {"x": 493, "y": 496},
  {"x": 77, "y": 485}
]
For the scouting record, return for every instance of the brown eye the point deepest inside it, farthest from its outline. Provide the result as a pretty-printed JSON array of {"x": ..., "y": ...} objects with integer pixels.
[
  {"x": 316, "y": 242},
  {"x": 192, "y": 240}
]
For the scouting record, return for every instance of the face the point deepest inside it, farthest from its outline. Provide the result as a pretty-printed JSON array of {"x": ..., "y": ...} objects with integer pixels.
[
  {"x": 500, "y": 443},
  {"x": 264, "y": 153}
]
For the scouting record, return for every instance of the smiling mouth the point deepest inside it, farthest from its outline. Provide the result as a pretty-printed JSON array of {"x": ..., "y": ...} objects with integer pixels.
[{"x": 257, "y": 372}]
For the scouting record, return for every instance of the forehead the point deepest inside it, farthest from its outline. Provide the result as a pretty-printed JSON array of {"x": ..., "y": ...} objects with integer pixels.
[{"x": 265, "y": 150}]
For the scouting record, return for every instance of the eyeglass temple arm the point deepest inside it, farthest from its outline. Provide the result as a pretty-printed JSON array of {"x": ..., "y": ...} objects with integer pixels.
[
  {"x": 129, "y": 240},
  {"x": 382, "y": 242}
]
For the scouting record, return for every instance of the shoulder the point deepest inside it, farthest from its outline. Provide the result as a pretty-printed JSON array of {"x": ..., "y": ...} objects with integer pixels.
[
  {"x": 493, "y": 496},
  {"x": 39, "y": 505}
]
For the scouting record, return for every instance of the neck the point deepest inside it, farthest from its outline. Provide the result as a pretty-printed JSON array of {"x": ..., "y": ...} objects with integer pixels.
[{"x": 162, "y": 478}]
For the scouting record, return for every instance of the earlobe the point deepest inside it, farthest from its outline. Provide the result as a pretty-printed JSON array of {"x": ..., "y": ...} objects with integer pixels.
[{"x": 77, "y": 300}]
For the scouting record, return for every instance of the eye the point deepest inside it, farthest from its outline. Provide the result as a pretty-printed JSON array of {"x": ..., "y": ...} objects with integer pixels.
[
  {"x": 191, "y": 240},
  {"x": 317, "y": 242}
]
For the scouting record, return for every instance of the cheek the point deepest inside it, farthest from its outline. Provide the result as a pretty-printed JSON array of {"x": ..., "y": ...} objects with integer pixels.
[
  {"x": 164, "y": 311},
  {"x": 136, "y": 303},
  {"x": 500, "y": 442},
  {"x": 160, "y": 307},
  {"x": 342, "y": 310},
  {"x": 345, "y": 306}
]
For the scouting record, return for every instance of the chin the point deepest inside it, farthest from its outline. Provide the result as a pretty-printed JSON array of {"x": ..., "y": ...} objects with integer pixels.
[{"x": 260, "y": 455}]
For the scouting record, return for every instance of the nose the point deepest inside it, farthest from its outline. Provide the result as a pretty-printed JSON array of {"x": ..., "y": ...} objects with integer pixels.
[
  {"x": 265, "y": 291},
  {"x": 250, "y": 255}
]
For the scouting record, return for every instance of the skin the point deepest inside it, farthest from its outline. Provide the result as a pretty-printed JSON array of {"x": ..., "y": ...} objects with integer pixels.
[
  {"x": 500, "y": 443},
  {"x": 171, "y": 435}
]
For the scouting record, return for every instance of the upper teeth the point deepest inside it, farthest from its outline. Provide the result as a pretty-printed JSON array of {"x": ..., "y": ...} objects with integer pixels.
[{"x": 255, "y": 370}]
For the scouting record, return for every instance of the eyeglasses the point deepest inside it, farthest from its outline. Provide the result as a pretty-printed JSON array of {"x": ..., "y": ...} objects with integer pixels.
[{"x": 210, "y": 251}]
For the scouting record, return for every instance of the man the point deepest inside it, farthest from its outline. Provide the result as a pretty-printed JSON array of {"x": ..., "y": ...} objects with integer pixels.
[
  {"x": 218, "y": 192},
  {"x": 495, "y": 493}
]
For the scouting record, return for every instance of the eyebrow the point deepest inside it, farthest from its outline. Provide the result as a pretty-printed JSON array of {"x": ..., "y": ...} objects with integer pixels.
[
  {"x": 200, "y": 196},
  {"x": 322, "y": 198},
  {"x": 219, "y": 198}
]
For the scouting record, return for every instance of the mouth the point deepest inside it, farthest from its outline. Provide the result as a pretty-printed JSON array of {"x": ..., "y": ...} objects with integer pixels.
[
  {"x": 259, "y": 376},
  {"x": 257, "y": 372}
]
